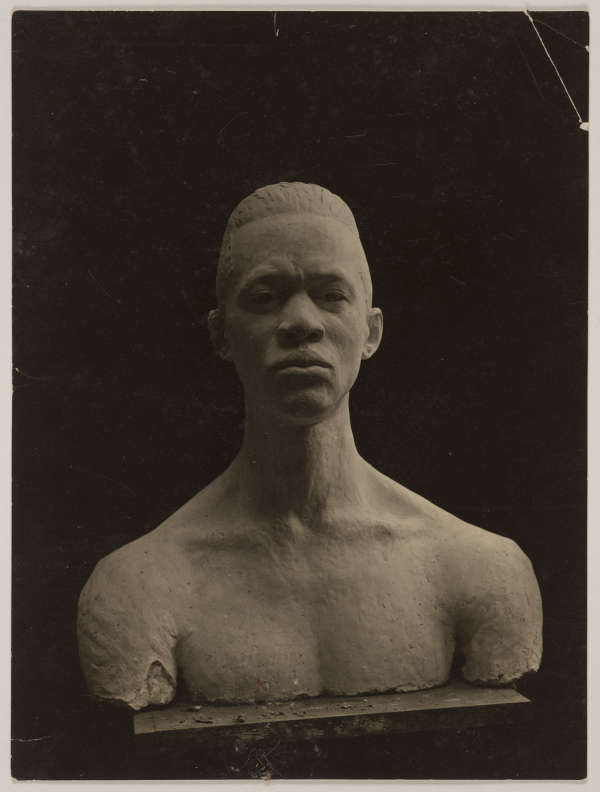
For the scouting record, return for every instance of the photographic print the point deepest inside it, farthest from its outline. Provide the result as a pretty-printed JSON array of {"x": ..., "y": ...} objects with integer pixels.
[{"x": 299, "y": 413}]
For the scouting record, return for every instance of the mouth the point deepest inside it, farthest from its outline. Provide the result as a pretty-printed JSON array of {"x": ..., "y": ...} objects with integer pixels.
[{"x": 301, "y": 362}]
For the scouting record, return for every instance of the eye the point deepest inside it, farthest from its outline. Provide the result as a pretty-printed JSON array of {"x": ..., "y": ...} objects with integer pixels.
[
  {"x": 333, "y": 295},
  {"x": 262, "y": 297}
]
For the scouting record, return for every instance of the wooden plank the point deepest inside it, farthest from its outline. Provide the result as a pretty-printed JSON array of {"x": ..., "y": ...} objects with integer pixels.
[{"x": 456, "y": 705}]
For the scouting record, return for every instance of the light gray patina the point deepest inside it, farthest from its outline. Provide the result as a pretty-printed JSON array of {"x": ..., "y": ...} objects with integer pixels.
[{"x": 302, "y": 570}]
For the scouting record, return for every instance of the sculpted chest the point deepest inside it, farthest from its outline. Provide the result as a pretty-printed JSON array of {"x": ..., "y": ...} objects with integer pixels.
[
  {"x": 248, "y": 621},
  {"x": 354, "y": 622}
]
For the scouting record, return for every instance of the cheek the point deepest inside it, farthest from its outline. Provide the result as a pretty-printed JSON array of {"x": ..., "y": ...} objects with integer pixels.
[
  {"x": 241, "y": 334},
  {"x": 349, "y": 337},
  {"x": 247, "y": 343}
]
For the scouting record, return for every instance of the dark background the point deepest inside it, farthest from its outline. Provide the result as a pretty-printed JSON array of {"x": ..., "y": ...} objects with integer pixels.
[{"x": 451, "y": 138}]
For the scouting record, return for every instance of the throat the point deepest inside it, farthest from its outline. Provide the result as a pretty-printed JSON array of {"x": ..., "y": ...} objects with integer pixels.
[{"x": 305, "y": 471}]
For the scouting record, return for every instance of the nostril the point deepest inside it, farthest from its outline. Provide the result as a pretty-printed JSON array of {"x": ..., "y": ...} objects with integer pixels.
[
  {"x": 290, "y": 329},
  {"x": 294, "y": 328},
  {"x": 299, "y": 332}
]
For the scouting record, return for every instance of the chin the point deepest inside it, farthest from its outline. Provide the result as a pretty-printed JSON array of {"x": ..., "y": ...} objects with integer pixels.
[{"x": 305, "y": 409}]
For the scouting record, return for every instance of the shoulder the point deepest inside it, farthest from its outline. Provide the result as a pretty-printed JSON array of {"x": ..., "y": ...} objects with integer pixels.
[
  {"x": 126, "y": 626},
  {"x": 486, "y": 565},
  {"x": 135, "y": 605},
  {"x": 487, "y": 585},
  {"x": 479, "y": 566},
  {"x": 451, "y": 539},
  {"x": 496, "y": 605},
  {"x": 468, "y": 553},
  {"x": 156, "y": 563},
  {"x": 133, "y": 571}
]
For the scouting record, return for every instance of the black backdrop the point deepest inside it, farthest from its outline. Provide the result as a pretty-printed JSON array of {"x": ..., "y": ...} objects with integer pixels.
[{"x": 453, "y": 141}]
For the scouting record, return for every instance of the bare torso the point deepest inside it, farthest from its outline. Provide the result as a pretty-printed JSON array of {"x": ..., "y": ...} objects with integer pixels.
[
  {"x": 239, "y": 610},
  {"x": 361, "y": 611}
]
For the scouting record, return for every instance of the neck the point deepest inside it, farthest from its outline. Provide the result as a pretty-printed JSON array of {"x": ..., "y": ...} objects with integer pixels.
[{"x": 304, "y": 471}]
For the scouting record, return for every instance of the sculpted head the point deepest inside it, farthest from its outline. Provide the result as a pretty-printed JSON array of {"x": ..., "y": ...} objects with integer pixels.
[{"x": 294, "y": 301}]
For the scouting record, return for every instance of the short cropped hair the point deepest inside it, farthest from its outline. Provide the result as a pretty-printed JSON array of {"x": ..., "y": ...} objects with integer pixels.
[{"x": 282, "y": 198}]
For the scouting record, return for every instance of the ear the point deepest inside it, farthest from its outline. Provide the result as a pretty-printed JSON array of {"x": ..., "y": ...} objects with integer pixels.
[
  {"x": 216, "y": 330},
  {"x": 375, "y": 324}
]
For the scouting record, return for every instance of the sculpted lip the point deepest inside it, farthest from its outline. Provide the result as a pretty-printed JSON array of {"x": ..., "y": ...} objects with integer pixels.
[{"x": 300, "y": 361}]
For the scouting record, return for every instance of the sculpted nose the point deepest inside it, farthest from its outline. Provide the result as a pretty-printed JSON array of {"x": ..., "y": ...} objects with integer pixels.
[{"x": 300, "y": 321}]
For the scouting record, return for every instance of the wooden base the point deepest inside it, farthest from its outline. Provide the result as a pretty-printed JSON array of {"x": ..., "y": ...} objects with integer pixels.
[{"x": 456, "y": 705}]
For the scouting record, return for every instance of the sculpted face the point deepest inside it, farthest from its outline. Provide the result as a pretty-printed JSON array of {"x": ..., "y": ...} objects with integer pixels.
[{"x": 297, "y": 323}]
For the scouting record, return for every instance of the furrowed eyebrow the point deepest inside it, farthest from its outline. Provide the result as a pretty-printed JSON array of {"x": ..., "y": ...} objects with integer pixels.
[
  {"x": 331, "y": 279},
  {"x": 267, "y": 279},
  {"x": 279, "y": 279}
]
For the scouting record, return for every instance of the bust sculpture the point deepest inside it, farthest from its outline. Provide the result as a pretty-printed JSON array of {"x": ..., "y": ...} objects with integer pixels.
[{"x": 301, "y": 570}]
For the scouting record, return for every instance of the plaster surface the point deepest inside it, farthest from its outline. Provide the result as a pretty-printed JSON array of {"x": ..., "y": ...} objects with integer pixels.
[
  {"x": 302, "y": 570},
  {"x": 373, "y": 605}
]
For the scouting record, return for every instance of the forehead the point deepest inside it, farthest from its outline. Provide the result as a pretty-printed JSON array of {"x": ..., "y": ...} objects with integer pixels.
[{"x": 297, "y": 240}]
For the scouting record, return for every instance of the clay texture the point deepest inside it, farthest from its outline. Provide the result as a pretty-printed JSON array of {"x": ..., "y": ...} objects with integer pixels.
[{"x": 302, "y": 570}]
